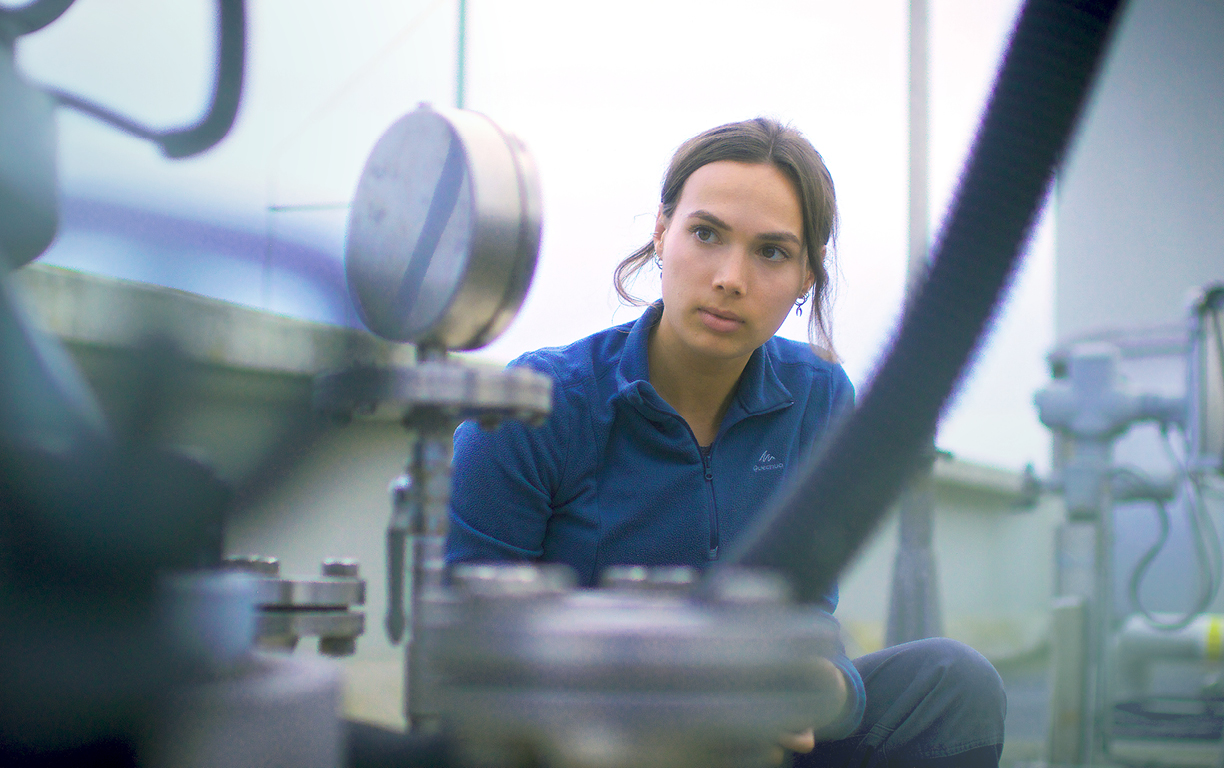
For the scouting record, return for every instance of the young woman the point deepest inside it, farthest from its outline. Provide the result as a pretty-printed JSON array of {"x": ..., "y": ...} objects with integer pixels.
[{"x": 669, "y": 432}]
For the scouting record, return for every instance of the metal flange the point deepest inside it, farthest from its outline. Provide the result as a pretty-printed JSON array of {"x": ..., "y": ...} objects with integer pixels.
[
  {"x": 637, "y": 676},
  {"x": 290, "y": 608},
  {"x": 489, "y": 395}
]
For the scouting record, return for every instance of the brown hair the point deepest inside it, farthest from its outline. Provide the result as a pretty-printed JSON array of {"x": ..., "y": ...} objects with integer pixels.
[{"x": 760, "y": 140}]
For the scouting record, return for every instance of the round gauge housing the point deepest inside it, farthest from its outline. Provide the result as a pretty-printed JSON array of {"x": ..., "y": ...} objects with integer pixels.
[{"x": 444, "y": 230}]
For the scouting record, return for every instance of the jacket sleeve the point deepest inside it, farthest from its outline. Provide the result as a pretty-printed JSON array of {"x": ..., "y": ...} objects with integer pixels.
[
  {"x": 841, "y": 403},
  {"x": 504, "y": 481}
]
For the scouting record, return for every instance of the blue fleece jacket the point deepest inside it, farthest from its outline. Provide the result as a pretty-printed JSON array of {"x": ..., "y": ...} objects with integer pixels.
[{"x": 616, "y": 476}]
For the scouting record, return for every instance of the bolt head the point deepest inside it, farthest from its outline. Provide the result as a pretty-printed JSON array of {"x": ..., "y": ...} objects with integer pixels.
[
  {"x": 340, "y": 566},
  {"x": 514, "y": 580},
  {"x": 258, "y": 565},
  {"x": 677, "y": 578},
  {"x": 744, "y": 586},
  {"x": 337, "y": 646}
]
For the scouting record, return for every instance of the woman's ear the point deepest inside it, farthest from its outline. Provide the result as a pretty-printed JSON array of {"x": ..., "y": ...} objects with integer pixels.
[
  {"x": 661, "y": 222},
  {"x": 809, "y": 277}
]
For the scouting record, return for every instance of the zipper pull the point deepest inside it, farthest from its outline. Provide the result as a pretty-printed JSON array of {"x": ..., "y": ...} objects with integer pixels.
[{"x": 713, "y": 554}]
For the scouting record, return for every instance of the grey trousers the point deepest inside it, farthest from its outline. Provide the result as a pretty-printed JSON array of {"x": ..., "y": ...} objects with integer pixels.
[{"x": 930, "y": 704}]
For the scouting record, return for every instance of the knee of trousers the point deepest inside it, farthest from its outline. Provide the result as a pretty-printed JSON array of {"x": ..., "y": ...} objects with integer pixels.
[{"x": 957, "y": 677}]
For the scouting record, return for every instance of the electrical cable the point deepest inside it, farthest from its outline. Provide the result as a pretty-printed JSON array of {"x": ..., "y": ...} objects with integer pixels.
[
  {"x": 223, "y": 106},
  {"x": 1208, "y": 572},
  {"x": 1200, "y": 516},
  {"x": 1209, "y": 556},
  {"x": 815, "y": 524},
  {"x": 1140, "y": 570}
]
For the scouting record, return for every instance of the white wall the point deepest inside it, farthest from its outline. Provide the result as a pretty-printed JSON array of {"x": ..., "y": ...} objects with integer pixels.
[{"x": 1141, "y": 203}]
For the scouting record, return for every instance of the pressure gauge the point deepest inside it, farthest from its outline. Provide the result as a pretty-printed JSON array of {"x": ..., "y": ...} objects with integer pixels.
[{"x": 444, "y": 230}]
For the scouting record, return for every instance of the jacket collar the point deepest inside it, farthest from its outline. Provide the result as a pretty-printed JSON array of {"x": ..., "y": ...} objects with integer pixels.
[{"x": 760, "y": 390}]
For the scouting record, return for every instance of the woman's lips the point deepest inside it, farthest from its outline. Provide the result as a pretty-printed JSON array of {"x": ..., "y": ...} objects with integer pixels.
[{"x": 720, "y": 321}]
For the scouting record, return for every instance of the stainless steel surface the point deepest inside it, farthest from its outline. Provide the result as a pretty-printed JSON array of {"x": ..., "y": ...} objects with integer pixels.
[
  {"x": 616, "y": 677},
  {"x": 444, "y": 230},
  {"x": 457, "y": 391}
]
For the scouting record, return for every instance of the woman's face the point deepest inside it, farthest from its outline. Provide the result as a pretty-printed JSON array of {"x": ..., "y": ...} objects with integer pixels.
[{"x": 734, "y": 260}]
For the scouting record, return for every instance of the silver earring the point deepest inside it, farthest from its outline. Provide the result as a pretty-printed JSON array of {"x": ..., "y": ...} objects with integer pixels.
[
  {"x": 799, "y": 305},
  {"x": 658, "y": 260}
]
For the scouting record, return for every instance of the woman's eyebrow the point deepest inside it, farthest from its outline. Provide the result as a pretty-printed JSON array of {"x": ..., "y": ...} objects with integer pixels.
[
  {"x": 780, "y": 237},
  {"x": 711, "y": 218},
  {"x": 772, "y": 237}
]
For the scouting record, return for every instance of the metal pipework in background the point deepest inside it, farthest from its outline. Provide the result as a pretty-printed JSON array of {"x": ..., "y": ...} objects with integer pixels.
[
  {"x": 1090, "y": 409},
  {"x": 1140, "y": 646}
]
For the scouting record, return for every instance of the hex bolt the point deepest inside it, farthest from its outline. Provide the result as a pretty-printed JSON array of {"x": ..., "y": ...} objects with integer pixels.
[
  {"x": 676, "y": 578},
  {"x": 400, "y": 488},
  {"x": 744, "y": 586},
  {"x": 281, "y": 643},
  {"x": 341, "y": 566},
  {"x": 254, "y": 564},
  {"x": 337, "y": 646},
  {"x": 517, "y": 580}
]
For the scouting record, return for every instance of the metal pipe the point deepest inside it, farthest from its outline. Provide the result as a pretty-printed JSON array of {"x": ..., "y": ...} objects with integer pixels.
[{"x": 431, "y": 473}]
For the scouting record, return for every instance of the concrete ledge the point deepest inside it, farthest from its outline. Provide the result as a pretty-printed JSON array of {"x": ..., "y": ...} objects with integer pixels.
[{"x": 978, "y": 484}]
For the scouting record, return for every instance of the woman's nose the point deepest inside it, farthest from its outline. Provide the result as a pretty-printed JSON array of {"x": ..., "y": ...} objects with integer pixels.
[{"x": 730, "y": 275}]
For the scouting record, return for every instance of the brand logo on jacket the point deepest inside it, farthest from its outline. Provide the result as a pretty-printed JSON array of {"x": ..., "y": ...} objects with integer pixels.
[{"x": 767, "y": 462}]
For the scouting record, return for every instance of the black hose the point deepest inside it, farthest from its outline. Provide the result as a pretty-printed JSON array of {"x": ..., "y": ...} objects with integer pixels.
[
  {"x": 222, "y": 109},
  {"x": 817, "y": 523}
]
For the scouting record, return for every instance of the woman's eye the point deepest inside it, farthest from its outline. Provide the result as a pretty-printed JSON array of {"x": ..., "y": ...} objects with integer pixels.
[
  {"x": 704, "y": 234},
  {"x": 773, "y": 253}
]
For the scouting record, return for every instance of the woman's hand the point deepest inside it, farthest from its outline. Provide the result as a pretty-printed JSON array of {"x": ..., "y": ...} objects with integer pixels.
[
  {"x": 803, "y": 741},
  {"x": 834, "y": 681}
]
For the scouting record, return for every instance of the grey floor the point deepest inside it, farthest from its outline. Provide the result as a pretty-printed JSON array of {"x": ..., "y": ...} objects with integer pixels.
[{"x": 1028, "y": 693}]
